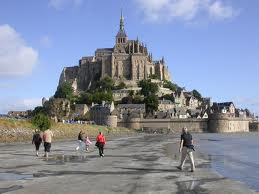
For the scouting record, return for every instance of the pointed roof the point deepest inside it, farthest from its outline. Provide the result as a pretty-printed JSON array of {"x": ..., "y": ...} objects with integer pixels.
[{"x": 121, "y": 32}]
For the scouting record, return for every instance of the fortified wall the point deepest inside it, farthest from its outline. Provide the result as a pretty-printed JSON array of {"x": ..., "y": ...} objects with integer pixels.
[
  {"x": 219, "y": 123},
  {"x": 216, "y": 123},
  {"x": 197, "y": 125},
  {"x": 254, "y": 126}
]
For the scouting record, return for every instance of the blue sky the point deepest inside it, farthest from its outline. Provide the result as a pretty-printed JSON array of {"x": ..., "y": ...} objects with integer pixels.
[{"x": 209, "y": 45}]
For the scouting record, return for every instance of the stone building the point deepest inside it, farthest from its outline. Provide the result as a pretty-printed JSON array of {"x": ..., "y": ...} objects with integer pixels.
[
  {"x": 225, "y": 108},
  {"x": 128, "y": 61},
  {"x": 180, "y": 100},
  {"x": 165, "y": 105},
  {"x": 119, "y": 94},
  {"x": 18, "y": 113},
  {"x": 100, "y": 112},
  {"x": 81, "y": 109},
  {"x": 125, "y": 110}
]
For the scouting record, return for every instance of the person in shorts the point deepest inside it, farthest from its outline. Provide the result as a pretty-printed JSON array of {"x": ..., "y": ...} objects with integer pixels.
[{"x": 47, "y": 138}]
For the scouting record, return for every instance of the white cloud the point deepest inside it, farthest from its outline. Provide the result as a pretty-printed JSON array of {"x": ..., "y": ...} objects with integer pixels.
[
  {"x": 62, "y": 4},
  {"x": 187, "y": 10},
  {"x": 16, "y": 58},
  {"x": 218, "y": 11},
  {"x": 9, "y": 104},
  {"x": 45, "y": 41}
]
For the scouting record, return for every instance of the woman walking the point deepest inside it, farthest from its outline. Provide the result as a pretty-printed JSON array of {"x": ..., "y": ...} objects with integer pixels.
[
  {"x": 80, "y": 140},
  {"x": 100, "y": 142},
  {"x": 37, "y": 140}
]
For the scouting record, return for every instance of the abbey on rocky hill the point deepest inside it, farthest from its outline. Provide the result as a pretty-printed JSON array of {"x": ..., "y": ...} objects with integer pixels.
[{"x": 128, "y": 61}]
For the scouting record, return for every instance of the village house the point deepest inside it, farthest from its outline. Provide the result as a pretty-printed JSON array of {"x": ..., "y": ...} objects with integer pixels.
[
  {"x": 191, "y": 101},
  {"x": 180, "y": 100},
  {"x": 18, "y": 113},
  {"x": 165, "y": 105},
  {"x": 225, "y": 108}
]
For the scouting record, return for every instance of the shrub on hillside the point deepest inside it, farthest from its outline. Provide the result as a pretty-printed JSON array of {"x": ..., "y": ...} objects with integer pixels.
[{"x": 41, "y": 121}]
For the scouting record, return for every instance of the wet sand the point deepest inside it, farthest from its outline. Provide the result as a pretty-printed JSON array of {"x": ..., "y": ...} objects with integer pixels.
[{"x": 141, "y": 164}]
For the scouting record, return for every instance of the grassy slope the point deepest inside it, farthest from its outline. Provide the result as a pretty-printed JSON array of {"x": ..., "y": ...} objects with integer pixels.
[{"x": 15, "y": 130}]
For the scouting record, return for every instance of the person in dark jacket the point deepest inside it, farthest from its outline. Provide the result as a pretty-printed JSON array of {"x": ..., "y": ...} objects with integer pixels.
[
  {"x": 80, "y": 140},
  {"x": 100, "y": 142},
  {"x": 37, "y": 140},
  {"x": 186, "y": 148}
]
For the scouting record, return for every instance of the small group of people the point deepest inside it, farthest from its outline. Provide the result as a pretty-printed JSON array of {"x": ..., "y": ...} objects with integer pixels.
[
  {"x": 83, "y": 142},
  {"x": 45, "y": 137},
  {"x": 186, "y": 144}
]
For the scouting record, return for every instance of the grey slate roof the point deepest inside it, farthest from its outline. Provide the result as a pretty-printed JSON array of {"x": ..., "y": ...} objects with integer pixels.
[
  {"x": 165, "y": 102},
  {"x": 121, "y": 33},
  {"x": 104, "y": 50}
]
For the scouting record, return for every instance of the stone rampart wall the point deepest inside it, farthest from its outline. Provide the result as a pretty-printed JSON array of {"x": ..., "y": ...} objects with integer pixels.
[
  {"x": 197, "y": 125},
  {"x": 219, "y": 123},
  {"x": 254, "y": 126},
  {"x": 215, "y": 123}
]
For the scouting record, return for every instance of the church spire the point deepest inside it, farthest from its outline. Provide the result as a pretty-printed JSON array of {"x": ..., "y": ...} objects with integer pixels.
[
  {"x": 121, "y": 37},
  {"x": 121, "y": 22}
]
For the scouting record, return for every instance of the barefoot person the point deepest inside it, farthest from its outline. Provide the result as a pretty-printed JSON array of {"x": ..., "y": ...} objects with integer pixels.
[
  {"x": 187, "y": 148},
  {"x": 47, "y": 138},
  {"x": 100, "y": 142},
  {"x": 36, "y": 140}
]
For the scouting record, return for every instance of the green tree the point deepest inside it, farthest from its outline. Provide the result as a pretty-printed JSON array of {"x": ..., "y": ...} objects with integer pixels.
[
  {"x": 170, "y": 85},
  {"x": 100, "y": 96},
  {"x": 65, "y": 90},
  {"x": 41, "y": 121},
  {"x": 197, "y": 95},
  {"x": 106, "y": 83},
  {"x": 37, "y": 110},
  {"x": 168, "y": 97},
  {"x": 127, "y": 100},
  {"x": 151, "y": 103},
  {"x": 85, "y": 98},
  {"x": 121, "y": 85},
  {"x": 131, "y": 93},
  {"x": 137, "y": 99},
  {"x": 148, "y": 88}
]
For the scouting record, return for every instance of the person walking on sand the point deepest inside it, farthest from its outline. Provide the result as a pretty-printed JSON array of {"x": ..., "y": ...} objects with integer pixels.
[
  {"x": 100, "y": 142},
  {"x": 37, "y": 140},
  {"x": 80, "y": 140},
  {"x": 87, "y": 142},
  {"x": 47, "y": 138},
  {"x": 186, "y": 148}
]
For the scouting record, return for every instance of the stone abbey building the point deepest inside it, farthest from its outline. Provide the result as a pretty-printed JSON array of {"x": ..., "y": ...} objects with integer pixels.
[{"x": 128, "y": 61}]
